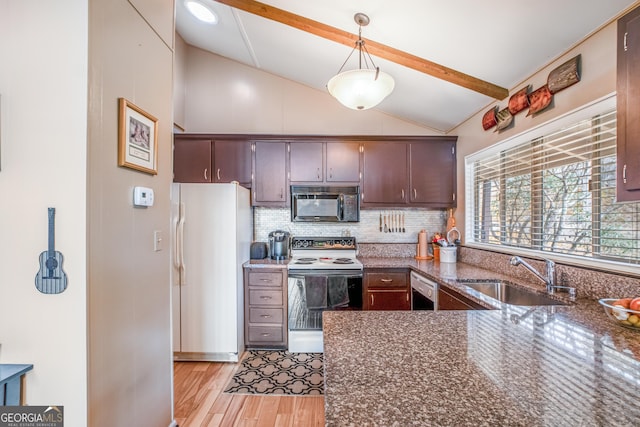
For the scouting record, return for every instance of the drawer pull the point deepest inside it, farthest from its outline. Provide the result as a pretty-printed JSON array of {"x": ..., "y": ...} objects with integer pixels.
[
  {"x": 386, "y": 280},
  {"x": 266, "y": 316},
  {"x": 264, "y": 334},
  {"x": 266, "y": 280},
  {"x": 265, "y": 297}
]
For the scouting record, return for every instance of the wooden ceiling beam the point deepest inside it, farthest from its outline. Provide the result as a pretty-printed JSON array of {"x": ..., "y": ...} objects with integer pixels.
[{"x": 377, "y": 49}]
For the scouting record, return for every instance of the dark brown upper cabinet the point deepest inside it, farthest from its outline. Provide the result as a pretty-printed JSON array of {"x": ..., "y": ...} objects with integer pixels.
[
  {"x": 191, "y": 160},
  {"x": 307, "y": 161},
  {"x": 270, "y": 184},
  {"x": 232, "y": 161},
  {"x": 433, "y": 173},
  {"x": 343, "y": 162},
  {"x": 628, "y": 108},
  {"x": 403, "y": 174},
  {"x": 385, "y": 174},
  {"x": 313, "y": 162}
]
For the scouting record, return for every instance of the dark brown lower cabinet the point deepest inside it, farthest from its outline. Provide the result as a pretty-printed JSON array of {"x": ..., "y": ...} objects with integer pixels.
[
  {"x": 451, "y": 300},
  {"x": 386, "y": 289}
]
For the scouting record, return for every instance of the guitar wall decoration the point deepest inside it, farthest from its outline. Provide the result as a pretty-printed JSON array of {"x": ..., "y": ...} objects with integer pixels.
[{"x": 50, "y": 278}]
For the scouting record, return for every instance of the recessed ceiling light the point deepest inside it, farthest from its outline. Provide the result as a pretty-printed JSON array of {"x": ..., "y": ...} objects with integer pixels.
[{"x": 201, "y": 12}]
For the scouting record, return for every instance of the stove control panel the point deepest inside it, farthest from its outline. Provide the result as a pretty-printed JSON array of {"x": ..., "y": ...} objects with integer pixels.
[{"x": 323, "y": 243}]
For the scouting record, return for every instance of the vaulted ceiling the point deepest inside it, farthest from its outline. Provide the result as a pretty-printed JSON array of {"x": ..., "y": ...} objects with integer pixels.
[{"x": 484, "y": 47}]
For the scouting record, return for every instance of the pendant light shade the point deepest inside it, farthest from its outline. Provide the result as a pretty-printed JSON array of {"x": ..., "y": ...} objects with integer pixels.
[{"x": 362, "y": 88}]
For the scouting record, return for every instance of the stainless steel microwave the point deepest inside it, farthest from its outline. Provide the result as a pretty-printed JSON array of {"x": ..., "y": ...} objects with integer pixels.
[{"x": 325, "y": 204}]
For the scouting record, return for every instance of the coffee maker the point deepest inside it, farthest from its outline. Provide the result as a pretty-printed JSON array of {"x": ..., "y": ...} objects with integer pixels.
[{"x": 279, "y": 244}]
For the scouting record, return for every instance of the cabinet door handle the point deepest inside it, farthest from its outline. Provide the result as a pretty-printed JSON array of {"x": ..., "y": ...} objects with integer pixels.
[
  {"x": 330, "y": 172},
  {"x": 281, "y": 193},
  {"x": 386, "y": 280},
  {"x": 218, "y": 174},
  {"x": 625, "y": 41},
  {"x": 318, "y": 172},
  {"x": 206, "y": 178},
  {"x": 371, "y": 300},
  {"x": 402, "y": 193},
  {"x": 415, "y": 194},
  {"x": 407, "y": 297},
  {"x": 624, "y": 174}
]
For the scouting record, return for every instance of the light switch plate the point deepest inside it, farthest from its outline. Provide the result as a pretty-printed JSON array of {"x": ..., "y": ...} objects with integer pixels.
[{"x": 157, "y": 240}]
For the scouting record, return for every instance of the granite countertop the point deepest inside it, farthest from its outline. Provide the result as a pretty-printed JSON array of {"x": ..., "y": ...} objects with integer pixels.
[{"x": 529, "y": 366}]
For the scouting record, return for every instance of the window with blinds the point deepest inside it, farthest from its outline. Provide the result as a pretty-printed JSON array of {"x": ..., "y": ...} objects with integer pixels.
[{"x": 555, "y": 193}]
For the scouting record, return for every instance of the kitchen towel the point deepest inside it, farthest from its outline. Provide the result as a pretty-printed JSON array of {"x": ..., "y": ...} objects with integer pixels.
[
  {"x": 338, "y": 292},
  {"x": 315, "y": 292}
]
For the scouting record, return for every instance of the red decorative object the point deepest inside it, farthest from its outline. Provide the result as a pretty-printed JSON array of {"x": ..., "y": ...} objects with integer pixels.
[
  {"x": 489, "y": 119},
  {"x": 519, "y": 101},
  {"x": 539, "y": 99}
]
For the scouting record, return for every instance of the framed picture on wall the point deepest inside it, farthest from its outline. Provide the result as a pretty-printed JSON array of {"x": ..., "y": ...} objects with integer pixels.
[{"x": 137, "y": 138}]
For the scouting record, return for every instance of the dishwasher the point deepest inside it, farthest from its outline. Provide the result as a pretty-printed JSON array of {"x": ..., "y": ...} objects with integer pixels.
[{"x": 424, "y": 293}]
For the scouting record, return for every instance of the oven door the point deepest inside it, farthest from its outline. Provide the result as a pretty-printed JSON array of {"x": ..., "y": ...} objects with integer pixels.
[
  {"x": 305, "y": 317},
  {"x": 424, "y": 293},
  {"x": 319, "y": 290}
]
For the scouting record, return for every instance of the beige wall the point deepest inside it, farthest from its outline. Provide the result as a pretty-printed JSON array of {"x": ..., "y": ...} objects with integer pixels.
[
  {"x": 598, "y": 79},
  {"x": 130, "y": 364},
  {"x": 179, "y": 71},
  {"x": 224, "y": 96},
  {"x": 43, "y": 97}
]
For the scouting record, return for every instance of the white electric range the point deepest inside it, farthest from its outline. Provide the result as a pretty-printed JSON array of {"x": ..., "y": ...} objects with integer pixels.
[{"x": 324, "y": 274}]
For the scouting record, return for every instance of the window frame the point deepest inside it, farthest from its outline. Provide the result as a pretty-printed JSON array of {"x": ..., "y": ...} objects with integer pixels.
[{"x": 588, "y": 111}]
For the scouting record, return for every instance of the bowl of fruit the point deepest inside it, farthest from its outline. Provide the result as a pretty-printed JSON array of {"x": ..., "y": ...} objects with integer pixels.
[{"x": 625, "y": 311}]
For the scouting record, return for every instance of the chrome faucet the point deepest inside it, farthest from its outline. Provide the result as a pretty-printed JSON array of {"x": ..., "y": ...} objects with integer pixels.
[{"x": 549, "y": 280}]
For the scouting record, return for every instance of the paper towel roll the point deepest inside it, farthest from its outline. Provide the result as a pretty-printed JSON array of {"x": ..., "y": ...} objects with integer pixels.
[{"x": 423, "y": 250}]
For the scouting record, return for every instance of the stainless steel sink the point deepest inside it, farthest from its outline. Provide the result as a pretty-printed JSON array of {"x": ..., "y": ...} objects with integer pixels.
[{"x": 507, "y": 293}]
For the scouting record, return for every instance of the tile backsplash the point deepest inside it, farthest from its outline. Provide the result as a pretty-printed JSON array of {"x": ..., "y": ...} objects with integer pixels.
[{"x": 367, "y": 230}]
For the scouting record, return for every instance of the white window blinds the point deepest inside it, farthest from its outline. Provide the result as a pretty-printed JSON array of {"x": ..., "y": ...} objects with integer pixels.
[{"x": 555, "y": 193}]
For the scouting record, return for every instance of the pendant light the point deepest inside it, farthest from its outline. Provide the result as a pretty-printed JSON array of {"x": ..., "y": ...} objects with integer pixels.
[{"x": 362, "y": 88}]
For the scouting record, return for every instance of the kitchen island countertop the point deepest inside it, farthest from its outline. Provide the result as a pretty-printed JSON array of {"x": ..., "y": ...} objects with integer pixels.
[{"x": 515, "y": 366}]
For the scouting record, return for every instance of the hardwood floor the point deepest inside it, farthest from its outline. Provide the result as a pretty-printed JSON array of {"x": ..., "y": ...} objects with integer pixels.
[{"x": 199, "y": 401}]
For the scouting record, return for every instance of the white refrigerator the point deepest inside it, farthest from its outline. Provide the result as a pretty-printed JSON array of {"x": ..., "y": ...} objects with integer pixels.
[{"x": 212, "y": 231}]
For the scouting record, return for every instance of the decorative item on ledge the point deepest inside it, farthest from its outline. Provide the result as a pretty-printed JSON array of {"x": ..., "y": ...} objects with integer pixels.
[
  {"x": 504, "y": 119},
  {"x": 565, "y": 75},
  {"x": 519, "y": 100},
  {"x": 489, "y": 119},
  {"x": 540, "y": 99}
]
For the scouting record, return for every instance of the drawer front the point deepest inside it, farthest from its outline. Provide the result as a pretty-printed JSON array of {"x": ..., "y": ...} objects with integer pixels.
[
  {"x": 386, "y": 280},
  {"x": 265, "y": 315},
  {"x": 261, "y": 334},
  {"x": 265, "y": 279},
  {"x": 265, "y": 297}
]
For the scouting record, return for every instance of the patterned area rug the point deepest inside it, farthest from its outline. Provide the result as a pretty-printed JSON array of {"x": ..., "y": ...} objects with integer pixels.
[{"x": 278, "y": 372}]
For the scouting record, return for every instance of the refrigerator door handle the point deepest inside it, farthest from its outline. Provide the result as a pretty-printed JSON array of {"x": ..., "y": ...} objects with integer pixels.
[
  {"x": 180, "y": 247},
  {"x": 176, "y": 241}
]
